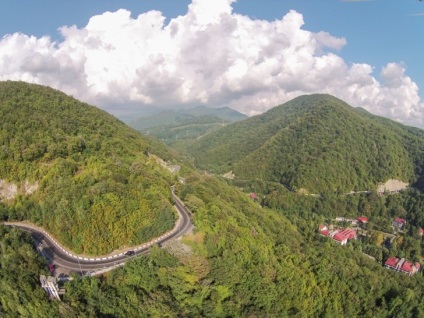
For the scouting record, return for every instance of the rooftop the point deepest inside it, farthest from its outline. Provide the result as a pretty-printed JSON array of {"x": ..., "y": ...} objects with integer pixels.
[
  {"x": 362, "y": 219},
  {"x": 400, "y": 220},
  {"x": 402, "y": 265}
]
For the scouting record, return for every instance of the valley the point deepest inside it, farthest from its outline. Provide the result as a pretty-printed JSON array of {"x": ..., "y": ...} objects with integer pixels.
[{"x": 104, "y": 190}]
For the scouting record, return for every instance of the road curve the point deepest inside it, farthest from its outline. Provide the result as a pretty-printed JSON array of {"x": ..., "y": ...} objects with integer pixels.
[{"x": 61, "y": 257}]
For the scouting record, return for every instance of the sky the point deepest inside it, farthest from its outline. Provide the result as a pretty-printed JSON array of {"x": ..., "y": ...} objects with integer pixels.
[{"x": 128, "y": 57}]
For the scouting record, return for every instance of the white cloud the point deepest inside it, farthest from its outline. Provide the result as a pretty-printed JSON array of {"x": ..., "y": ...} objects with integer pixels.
[{"x": 210, "y": 55}]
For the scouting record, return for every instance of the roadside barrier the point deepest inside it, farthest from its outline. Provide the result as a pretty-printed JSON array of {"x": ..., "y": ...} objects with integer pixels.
[{"x": 110, "y": 256}]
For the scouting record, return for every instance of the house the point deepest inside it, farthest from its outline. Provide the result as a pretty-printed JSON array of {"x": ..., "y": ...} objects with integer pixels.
[
  {"x": 340, "y": 236},
  {"x": 344, "y": 235},
  {"x": 420, "y": 231},
  {"x": 402, "y": 265},
  {"x": 399, "y": 223},
  {"x": 323, "y": 230},
  {"x": 362, "y": 219}
]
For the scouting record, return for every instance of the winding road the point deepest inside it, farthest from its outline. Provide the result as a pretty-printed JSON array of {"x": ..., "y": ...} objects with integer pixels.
[{"x": 65, "y": 259}]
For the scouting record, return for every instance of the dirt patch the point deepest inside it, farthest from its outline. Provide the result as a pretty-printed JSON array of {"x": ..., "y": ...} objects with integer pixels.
[
  {"x": 392, "y": 185},
  {"x": 178, "y": 249},
  {"x": 30, "y": 188},
  {"x": 7, "y": 190}
]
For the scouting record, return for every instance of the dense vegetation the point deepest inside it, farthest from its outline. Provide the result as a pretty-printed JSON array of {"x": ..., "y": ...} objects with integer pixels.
[
  {"x": 381, "y": 240},
  {"x": 246, "y": 261},
  {"x": 176, "y": 127},
  {"x": 20, "y": 267},
  {"x": 98, "y": 188},
  {"x": 317, "y": 143}
]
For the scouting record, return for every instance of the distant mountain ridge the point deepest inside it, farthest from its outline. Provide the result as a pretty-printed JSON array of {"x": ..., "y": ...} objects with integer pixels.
[
  {"x": 175, "y": 126},
  {"x": 314, "y": 143},
  {"x": 170, "y": 117}
]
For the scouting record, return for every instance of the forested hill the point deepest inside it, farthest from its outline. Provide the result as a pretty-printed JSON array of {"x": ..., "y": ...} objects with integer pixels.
[
  {"x": 78, "y": 171},
  {"x": 317, "y": 143},
  {"x": 243, "y": 260},
  {"x": 97, "y": 186}
]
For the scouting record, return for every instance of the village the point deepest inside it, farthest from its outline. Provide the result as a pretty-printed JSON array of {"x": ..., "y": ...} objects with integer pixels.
[
  {"x": 356, "y": 229},
  {"x": 343, "y": 230}
]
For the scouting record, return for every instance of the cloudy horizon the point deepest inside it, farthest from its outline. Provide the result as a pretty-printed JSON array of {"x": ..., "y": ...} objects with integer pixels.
[{"x": 209, "y": 56}]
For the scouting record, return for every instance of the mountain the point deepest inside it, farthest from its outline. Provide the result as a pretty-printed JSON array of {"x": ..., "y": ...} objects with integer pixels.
[
  {"x": 170, "y": 117},
  {"x": 129, "y": 115},
  {"x": 79, "y": 172},
  {"x": 314, "y": 143},
  {"x": 89, "y": 178},
  {"x": 172, "y": 126}
]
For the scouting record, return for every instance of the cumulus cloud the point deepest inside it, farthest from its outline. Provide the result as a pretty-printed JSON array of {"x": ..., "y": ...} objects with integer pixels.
[{"x": 210, "y": 56}]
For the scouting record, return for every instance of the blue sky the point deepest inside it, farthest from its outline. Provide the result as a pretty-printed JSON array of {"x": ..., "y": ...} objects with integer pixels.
[
  {"x": 377, "y": 32},
  {"x": 357, "y": 38}
]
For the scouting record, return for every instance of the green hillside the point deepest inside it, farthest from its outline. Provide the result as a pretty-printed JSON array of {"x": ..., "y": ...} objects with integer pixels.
[
  {"x": 317, "y": 143},
  {"x": 79, "y": 172},
  {"x": 242, "y": 261},
  {"x": 97, "y": 187}
]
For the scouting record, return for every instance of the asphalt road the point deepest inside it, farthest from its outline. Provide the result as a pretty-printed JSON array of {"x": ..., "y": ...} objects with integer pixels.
[{"x": 64, "y": 259}]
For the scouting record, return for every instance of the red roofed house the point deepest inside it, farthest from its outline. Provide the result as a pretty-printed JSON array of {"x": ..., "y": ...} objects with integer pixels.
[
  {"x": 325, "y": 233},
  {"x": 323, "y": 230},
  {"x": 398, "y": 223},
  {"x": 253, "y": 196},
  {"x": 421, "y": 231},
  {"x": 402, "y": 265},
  {"x": 344, "y": 235},
  {"x": 362, "y": 219}
]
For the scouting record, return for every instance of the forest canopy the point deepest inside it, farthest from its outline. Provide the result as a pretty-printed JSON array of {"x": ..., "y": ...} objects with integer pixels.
[
  {"x": 97, "y": 187},
  {"x": 316, "y": 143}
]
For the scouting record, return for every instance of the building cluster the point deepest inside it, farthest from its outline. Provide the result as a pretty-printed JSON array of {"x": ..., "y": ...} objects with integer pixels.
[
  {"x": 341, "y": 236},
  {"x": 402, "y": 265}
]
